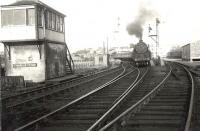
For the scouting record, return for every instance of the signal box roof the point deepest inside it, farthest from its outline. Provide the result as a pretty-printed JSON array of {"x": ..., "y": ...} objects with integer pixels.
[{"x": 32, "y": 2}]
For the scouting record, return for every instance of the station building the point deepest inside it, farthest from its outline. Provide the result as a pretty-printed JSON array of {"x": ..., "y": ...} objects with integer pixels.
[{"x": 33, "y": 35}]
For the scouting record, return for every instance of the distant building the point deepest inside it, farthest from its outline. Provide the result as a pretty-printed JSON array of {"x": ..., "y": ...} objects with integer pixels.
[
  {"x": 81, "y": 62},
  {"x": 90, "y": 58},
  {"x": 175, "y": 53},
  {"x": 191, "y": 51},
  {"x": 102, "y": 60}
]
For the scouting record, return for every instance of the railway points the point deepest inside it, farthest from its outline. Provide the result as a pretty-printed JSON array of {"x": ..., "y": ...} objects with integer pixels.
[
  {"x": 167, "y": 108},
  {"x": 34, "y": 100},
  {"x": 194, "y": 69},
  {"x": 82, "y": 98}
]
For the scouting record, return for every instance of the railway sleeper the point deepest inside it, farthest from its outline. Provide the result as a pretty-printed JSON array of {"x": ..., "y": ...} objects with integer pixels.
[
  {"x": 157, "y": 117},
  {"x": 157, "y": 123},
  {"x": 77, "y": 117},
  {"x": 165, "y": 108},
  {"x": 60, "y": 123},
  {"x": 152, "y": 128},
  {"x": 156, "y": 112}
]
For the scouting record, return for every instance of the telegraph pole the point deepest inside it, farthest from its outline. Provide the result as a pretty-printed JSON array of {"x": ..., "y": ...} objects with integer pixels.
[
  {"x": 155, "y": 37},
  {"x": 157, "y": 34},
  {"x": 116, "y": 31},
  {"x": 107, "y": 46}
]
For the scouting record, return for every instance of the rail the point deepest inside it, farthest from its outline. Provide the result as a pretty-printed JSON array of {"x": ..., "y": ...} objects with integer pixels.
[
  {"x": 188, "y": 121},
  {"x": 44, "y": 95},
  {"x": 189, "y": 71},
  {"x": 133, "y": 109},
  {"x": 118, "y": 101},
  {"x": 74, "y": 101},
  {"x": 51, "y": 86},
  {"x": 192, "y": 70}
]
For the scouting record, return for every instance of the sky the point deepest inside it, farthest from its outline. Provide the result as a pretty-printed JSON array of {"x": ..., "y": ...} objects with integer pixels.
[{"x": 90, "y": 23}]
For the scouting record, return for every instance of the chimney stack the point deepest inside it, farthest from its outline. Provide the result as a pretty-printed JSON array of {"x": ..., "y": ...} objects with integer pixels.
[{"x": 141, "y": 38}]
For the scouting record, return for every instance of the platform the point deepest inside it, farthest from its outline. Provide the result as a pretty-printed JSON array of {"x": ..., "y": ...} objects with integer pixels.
[{"x": 194, "y": 66}]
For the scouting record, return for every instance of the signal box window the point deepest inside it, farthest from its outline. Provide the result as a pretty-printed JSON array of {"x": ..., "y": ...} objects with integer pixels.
[
  {"x": 19, "y": 17},
  {"x": 7, "y": 17},
  {"x": 13, "y": 17},
  {"x": 50, "y": 20},
  {"x": 53, "y": 21},
  {"x": 57, "y": 23},
  {"x": 31, "y": 17},
  {"x": 61, "y": 24},
  {"x": 39, "y": 16}
]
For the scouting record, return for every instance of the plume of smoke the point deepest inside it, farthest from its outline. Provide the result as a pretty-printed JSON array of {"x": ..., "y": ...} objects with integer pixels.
[{"x": 136, "y": 27}]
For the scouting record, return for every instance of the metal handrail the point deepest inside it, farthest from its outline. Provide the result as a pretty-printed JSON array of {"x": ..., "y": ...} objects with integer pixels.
[
  {"x": 137, "y": 105},
  {"x": 74, "y": 101},
  {"x": 118, "y": 101},
  {"x": 70, "y": 62}
]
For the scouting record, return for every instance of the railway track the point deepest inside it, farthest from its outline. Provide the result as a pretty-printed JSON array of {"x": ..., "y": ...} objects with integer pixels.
[
  {"x": 167, "y": 107},
  {"x": 100, "y": 98},
  {"x": 195, "y": 121},
  {"x": 40, "y": 87},
  {"x": 139, "y": 90},
  {"x": 195, "y": 126},
  {"x": 44, "y": 103},
  {"x": 84, "y": 115},
  {"x": 43, "y": 88},
  {"x": 29, "y": 97}
]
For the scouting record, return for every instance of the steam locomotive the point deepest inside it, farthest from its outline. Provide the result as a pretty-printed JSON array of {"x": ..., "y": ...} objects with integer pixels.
[{"x": 141, "y": 54}]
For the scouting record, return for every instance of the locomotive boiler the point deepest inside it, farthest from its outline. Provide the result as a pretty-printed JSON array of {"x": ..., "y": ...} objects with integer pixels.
[{"x": 141, "y": 54}]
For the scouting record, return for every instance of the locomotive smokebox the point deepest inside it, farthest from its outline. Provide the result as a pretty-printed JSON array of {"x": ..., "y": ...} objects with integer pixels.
[{"x": 141, "y": 54}]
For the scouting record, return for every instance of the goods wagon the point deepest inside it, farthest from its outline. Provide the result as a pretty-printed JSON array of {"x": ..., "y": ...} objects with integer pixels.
[{"x": 191, "y": 51}]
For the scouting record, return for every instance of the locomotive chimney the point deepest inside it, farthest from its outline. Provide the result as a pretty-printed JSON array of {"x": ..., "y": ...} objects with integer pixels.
[{"x": 140, "y": 39}]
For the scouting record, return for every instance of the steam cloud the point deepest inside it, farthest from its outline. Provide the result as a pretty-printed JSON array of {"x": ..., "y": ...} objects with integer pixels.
[{"x": 136, "y": 27}]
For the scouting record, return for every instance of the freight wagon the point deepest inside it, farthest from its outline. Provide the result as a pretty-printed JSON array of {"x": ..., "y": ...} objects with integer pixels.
[{"x": 191, "y": 51}]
